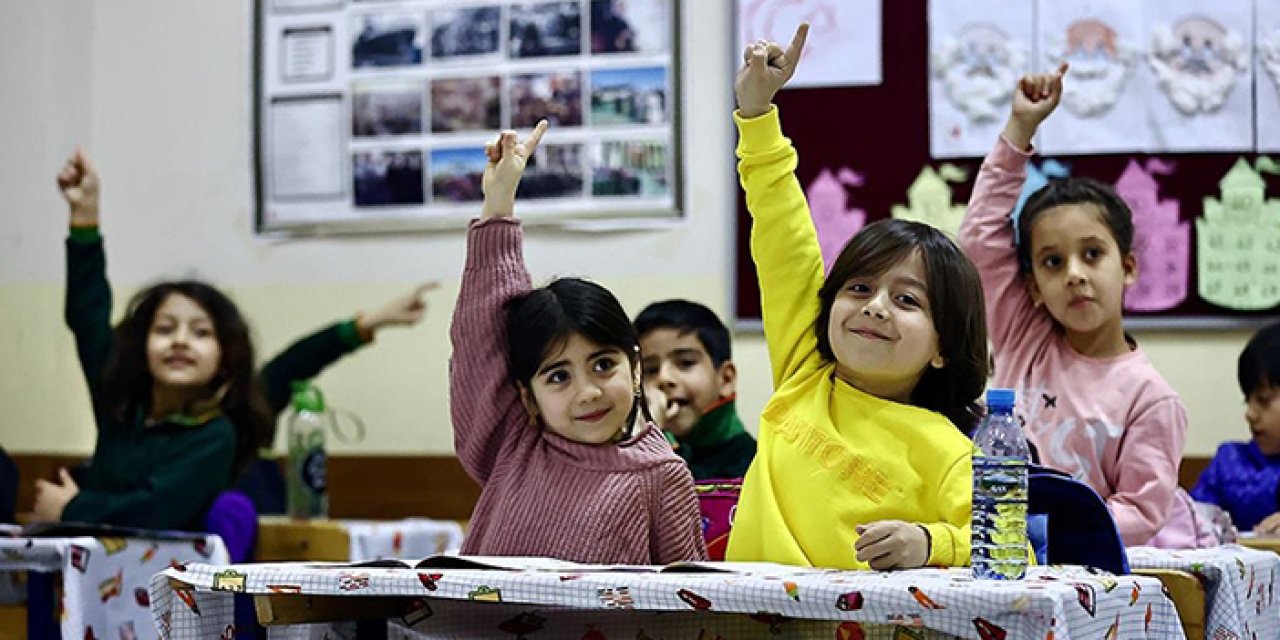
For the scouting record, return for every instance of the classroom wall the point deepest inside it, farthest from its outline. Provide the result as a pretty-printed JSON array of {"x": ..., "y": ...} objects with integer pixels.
[{"x": 159, "y": 91}]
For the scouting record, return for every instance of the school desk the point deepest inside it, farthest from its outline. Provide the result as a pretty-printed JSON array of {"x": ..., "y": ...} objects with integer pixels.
[
  {"x": 743, "y": 601},
  {"x": 282, "y": 539},
  {"x": 104, "y": 581},
  {"x": 1268, "y": 542},
  {"x": 1239, "y": 587}
]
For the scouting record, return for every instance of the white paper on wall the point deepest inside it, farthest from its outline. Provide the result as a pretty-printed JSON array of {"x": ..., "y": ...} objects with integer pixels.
[
  {"x": 977, "y": 51},
  {"x": 844, "y": 45},
  {"x": 1105, "y": 95},
  {"x": 1199, "y": 56},
  {"x": 1267, "y": 70}
]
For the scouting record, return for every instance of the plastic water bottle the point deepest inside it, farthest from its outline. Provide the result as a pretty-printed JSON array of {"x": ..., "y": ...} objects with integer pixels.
[
  {"x": 306, "y": 481},
  {"x": 999, "y": 550}
]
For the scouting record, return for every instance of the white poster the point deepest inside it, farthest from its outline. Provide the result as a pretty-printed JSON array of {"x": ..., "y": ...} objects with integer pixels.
[
  {"x": 304, "y": 148},
  {"x": 977, "y": 51},
  {"x": 306, "y": 53},
  {"x": 1199, "y": 54},
  {"x": 844, "y": 45},
  {"x": 1106, "y": 91},
  {"x": 1267, "y": 70}
]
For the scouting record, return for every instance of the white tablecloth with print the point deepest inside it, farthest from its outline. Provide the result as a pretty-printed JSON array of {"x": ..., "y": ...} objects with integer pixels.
[
  {"x": 105, "y": 580},
  {"x": 1055, "y": 602},
  {"x": 408, "y": 538},
  {"x": 1239, "y": 586}
]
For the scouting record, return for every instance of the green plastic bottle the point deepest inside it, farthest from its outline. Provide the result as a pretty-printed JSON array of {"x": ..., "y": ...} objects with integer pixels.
[{"x": 306, "y": 482}]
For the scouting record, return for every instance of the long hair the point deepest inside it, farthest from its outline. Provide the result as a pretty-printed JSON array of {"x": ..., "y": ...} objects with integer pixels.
[
  {"x": 955, "y": 298},
  {"x": 127, "y": 382}
]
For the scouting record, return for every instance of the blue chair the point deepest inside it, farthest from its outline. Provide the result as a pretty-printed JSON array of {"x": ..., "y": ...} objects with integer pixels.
[
  {"x": 1077, "y": 526},
  {"x": 234, "y": 518}
]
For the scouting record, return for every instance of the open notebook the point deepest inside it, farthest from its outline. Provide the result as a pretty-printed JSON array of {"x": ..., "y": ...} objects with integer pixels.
[{"x": 552, "y": 565}]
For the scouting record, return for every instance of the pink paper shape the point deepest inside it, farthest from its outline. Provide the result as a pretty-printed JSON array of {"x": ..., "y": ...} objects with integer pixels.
[
  {"x": 834, "y": 220},
  {"x": 1162, "y": 244}
]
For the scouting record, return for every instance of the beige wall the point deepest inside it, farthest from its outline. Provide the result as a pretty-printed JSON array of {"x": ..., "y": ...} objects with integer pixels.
[{"x": 159, "y": 92}]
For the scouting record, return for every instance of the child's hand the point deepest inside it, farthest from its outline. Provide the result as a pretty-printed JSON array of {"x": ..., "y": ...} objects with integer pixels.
[
  {"x": 765, "y": 70},
  {"x": 1035, "y": 98},
  {"x": 1270, "y": 525},
  {"x": 892, "y": 544},
  {"x": 403, "y": 310},
  {"x": 52, "y": 498},
  {"x": 507, "y": 159},
  {"x": 660, "y": 407},
  {"x": 79, "y": 184}
]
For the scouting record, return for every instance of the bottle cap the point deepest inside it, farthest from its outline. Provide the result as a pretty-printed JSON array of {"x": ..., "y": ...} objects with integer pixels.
[
  {"x": 1000, "y": 399},
  {"x": 307, "y": 397}
]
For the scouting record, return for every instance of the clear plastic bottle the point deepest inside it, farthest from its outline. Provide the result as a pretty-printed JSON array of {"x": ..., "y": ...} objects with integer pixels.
[
  {"x": 306, "y": 481},
  {"x": 1000, "y": 459}
]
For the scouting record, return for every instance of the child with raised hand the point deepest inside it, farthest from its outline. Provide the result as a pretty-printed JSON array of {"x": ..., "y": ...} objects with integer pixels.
[
  {"x": 1244, "y": 477},
  {"x": 548, "y": 412},
  {"x": 1092, "y": 403},
  {"x": 863, "y": 459},
  {"x": 176, "y": 401}
]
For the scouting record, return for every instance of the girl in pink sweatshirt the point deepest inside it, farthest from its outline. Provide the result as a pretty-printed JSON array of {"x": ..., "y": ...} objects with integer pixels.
[
  {"x": 546, "y": 401},
  {"x": 1093, "y": 405}
]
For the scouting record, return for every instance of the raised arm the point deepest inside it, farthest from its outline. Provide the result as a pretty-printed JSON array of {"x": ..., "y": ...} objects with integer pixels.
[
  {"x": 784, "y": 243},
  {"x": 87, "y": 307},
  {"x": 484, "y": 401},
  {"x": 987, "y": 234}
]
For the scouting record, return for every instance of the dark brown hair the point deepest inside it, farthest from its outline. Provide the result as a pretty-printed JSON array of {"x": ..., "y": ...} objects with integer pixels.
[{"x": 1060, "y": 191}]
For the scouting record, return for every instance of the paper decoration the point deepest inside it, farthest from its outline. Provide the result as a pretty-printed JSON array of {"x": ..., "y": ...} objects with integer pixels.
[
  {"x": 1200, "y": 57},
  {"x": 1238, "y": 241},
  {"x": 1105, "y": 95},
  {"x": 844, "y": 37},
  {"x": 835, "y": 221},
  {"x": 1162, "y": 243},
  {"x": 1037, "y": 178},
  {"x": 1267, "y": 84},
  {"x": 977, "y": 51},
  {"x": 929, "y": 199}
]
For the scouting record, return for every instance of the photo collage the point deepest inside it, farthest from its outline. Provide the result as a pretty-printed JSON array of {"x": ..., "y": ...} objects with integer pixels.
[{"x": 429, "y": 83}]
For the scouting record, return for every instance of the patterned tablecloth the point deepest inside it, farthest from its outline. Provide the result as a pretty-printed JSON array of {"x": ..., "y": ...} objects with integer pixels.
[
  {"x": 752, "y": 600},
  {"x": 1239, "y": 583},
  {"x": 105, "y": 580},
  {"x": 409, "y": 538}
]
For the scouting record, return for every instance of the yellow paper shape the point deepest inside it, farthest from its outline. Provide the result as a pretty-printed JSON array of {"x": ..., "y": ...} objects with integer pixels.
[{"x": 929, "y": 200}]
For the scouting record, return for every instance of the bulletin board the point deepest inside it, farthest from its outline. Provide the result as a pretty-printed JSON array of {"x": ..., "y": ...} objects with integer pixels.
[
  {"x": 371, "y": 116},
  {"x": 879, "y": 136}
]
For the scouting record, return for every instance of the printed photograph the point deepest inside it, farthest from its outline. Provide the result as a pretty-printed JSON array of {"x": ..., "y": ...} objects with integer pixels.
[
  {"x": 554, "y": 96},
  {"x": 385, "y": 178},
  {"x": 390, "y": 39},
  {"x": 629, "y": 96},
  {"x": 630, "y": 26},
  {"x": 470, "y": 31},
  {"x": 545, "y": 29},
  {"x": 629, "y": 168},
  {"x": 466, "y": 104},
  {"x": 554, "y": 171},
  {"x": 386, "y": 108},
  {"x": 456, "y": 174}
]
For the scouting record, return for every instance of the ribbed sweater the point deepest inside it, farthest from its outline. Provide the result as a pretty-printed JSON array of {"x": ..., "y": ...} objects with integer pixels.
[{"x": 543, "y": 495}]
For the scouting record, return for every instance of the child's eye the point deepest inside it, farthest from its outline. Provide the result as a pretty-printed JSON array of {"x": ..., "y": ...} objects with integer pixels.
[
  {"x": 1051, "y": 262},
  {"x": 858, "y": 287},
  {"x": 203, "y": 332},
  {"x": 1092, "y": 254},
  {"x": 605, "y": 364},
  {"x": 687, "y": 363},
  {"x": 909, "y": 300},
  {"x": 650, "y": 371},
  {"x": 162, "y": 329},
  {"x": 558, "y": 376}
]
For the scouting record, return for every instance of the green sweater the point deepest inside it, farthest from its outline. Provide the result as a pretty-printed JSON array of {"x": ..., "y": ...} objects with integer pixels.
[
  {"x": 718, "y": 446},
  {"x": 163, "y": 476}
]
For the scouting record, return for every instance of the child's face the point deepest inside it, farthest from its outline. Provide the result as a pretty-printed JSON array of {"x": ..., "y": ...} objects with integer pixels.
[
  {"x": 1077, "y": 269},
  {"x": 182, "y": 345},
  {"x": 584, "y": 391},
  {"x": 678, "y": 364},
  {"x": 882, "y": 332},
  {"x": 1262, "y": 410}
]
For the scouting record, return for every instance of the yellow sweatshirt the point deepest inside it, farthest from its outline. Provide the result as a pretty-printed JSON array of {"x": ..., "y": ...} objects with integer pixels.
[{"x": 830, "y": 457}]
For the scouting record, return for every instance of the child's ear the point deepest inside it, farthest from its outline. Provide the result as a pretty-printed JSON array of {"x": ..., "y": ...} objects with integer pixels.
[
  {"x": 727, "y": 379},
  {"x": 530, "y": 405},
  {"x": 1130, "y": 265},
  {"x": 1033, "y": 290}
]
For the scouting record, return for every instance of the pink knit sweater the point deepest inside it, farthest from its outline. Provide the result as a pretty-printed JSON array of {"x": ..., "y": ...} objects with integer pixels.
[{"x": 543, "y": 495}]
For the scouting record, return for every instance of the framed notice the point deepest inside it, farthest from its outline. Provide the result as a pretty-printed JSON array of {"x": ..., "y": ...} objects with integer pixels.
[{"x": 372, "y": 115}]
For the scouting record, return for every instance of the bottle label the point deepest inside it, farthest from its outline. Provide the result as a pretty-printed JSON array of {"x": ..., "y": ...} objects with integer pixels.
[
  {"x": 999, "y": 526},
  {"x": 314, "y": 474}
]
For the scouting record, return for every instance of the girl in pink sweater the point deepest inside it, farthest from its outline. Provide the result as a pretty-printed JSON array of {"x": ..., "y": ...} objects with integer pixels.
[
  {"x": 1093, "y": 404},
  {"x": 546, "y": 401}
]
